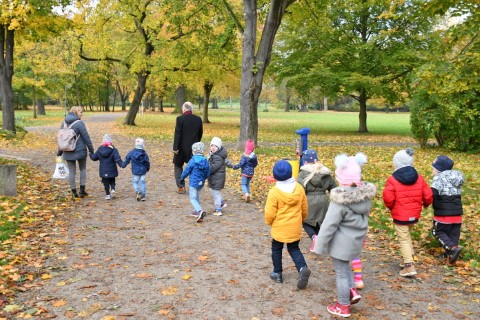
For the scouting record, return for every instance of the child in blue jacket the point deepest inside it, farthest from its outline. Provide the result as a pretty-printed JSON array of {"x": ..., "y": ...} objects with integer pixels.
[
  {"x": 198, "y": 169},
  {"x": 140, "y": 167},
  {"x": 247, "y": 163}
]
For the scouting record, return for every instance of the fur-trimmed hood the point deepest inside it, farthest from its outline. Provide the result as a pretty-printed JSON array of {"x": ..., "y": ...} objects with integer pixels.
[
  {"x": 356, "y": 198},
  {"x": 312, "y": 169}
]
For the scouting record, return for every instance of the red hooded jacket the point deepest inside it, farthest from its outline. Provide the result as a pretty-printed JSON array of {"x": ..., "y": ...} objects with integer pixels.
[{"x": 405, "y": 193}]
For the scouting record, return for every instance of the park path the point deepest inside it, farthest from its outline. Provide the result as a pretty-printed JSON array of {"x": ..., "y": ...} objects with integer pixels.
[{"x": 124, "y": 259}]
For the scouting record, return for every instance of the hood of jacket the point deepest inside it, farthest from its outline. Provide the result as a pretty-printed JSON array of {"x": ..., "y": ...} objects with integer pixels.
[
  {"x": 139, "y": 155},
  {"x": 448, "y": 182},
  {"x": 104, "y": 152},
  {"x": 316, "y": 173},
  {"x": 356, "y": 198},
  {"x": 407, "y": 175},
  {"x": 222, "y": 152},
  {"x": 290, "y": 198},
  {"x": 200, "y": 162},
  {"x": 70, "y": 118}
]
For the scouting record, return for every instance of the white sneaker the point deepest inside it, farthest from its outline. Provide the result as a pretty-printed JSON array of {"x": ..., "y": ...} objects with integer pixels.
[
  {"x": 108, "y": 197},
  {"x": 217, "y": 213},
  {"x": 112, "y": 193}
]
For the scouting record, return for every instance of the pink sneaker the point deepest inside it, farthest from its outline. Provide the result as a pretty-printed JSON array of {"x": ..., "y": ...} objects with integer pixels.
[
  {"x": 339, "y": 310},
  {"x": 354, "y": 296},
  {"x": 312, "y": 246}
]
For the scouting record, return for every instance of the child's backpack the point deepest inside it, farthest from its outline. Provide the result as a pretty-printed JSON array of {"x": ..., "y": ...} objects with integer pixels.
[{"x": 67, "y": 139}]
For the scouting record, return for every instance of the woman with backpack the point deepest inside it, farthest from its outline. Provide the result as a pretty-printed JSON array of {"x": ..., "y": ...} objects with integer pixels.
[{"x": 76, "y": 151}]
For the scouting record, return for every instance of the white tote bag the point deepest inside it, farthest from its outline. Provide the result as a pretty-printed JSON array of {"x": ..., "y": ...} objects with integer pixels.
[{"x": 61, "y": 170}]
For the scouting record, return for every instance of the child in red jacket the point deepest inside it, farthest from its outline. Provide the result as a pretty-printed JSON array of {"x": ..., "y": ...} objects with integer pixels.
[{"x": 405, "y": 193}]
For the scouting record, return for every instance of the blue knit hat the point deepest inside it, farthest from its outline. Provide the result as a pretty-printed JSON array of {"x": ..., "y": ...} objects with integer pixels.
[
  {"x": 309, "y": 156},
  {"x": 282, "y": 170},
  {"x": 443, "y": 163}
]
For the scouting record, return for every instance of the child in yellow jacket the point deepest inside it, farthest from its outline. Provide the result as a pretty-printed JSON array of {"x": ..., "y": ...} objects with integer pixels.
[{"x": 285, "y": 210}]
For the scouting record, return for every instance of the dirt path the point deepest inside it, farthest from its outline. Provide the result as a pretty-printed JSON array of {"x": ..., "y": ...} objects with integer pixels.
[{"x": 124, "y": 259}]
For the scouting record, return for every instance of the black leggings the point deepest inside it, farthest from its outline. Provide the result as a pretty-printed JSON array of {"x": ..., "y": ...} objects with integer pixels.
[{"x": 107, "y": 183}]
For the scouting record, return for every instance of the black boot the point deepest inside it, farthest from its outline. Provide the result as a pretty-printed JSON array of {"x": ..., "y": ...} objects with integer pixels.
[
  {"x": 74, "y": 193},
  {"x": 83, "y": 193}
]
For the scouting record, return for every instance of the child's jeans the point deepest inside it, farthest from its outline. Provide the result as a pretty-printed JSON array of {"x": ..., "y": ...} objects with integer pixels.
[
  {"x": 344, "y": 279},
  {"x": 139, "y": 184},
  {"x": 293, "y": 250},
  {"x": 447, "y": 234},
  {"x": 195, "y": 198},
  {"x": 107, "y": 184},
  {"x": 405, "y": 240},
  {"x": 246, "y": 184},
  {"x": 311, "y": 230},
  {"x": 217, "y": 199}
]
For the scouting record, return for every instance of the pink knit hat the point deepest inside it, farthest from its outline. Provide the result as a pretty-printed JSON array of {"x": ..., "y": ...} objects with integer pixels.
[
  {"x": 249, "y": 146},
  {"x": 349, "y": 169}
]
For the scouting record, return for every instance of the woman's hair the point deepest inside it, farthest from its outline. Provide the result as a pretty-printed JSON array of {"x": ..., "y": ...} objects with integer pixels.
[{"x": 76, "y": 110}]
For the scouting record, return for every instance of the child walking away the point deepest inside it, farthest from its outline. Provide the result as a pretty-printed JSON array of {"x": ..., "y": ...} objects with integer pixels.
[
  {"x": 447, "y": 206},
  {"x": 405, "y": 193},
  {"x": 198, "y": 170},
  {"x": 345, "y": 226},
  {"x": 247, "y": 163},
  {"x": 216, "y": 180},
  {"x": 285, "y": 210},
  {"x": 317, "y": 180},
  {"x": 109, "y": 157},
  {"x": 140, "y": 167}
]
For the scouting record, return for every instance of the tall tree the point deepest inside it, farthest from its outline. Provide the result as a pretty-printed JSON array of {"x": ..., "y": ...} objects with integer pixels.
[
  {"x": 265, "y": 20},
  {"x": 360, "y": 48},
  {"x": 13, "y": 17}
]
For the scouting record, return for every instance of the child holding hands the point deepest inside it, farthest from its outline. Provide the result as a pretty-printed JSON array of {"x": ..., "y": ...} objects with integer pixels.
[
  {"x": 247, "y": 163},
  {"x": 109, "y": 157},
  {"x": 198, "y": 170},
  {"x": 216, "y": 180},
  {"x": 140, "y": 166}
]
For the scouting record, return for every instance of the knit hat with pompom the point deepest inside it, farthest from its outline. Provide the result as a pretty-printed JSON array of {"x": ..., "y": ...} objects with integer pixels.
[{"x": 349, "y": 169}]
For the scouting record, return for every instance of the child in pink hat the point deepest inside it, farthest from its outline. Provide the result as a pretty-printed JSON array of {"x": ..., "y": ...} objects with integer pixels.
[{"x": 247, "y": 163}]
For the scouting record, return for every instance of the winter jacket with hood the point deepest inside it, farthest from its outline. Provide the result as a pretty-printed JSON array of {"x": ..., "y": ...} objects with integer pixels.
[
  {"x": 447, "y": 193},
  {"x": 83, "y": 142},
  {"x": 405, "y": 193},
  {"x": 140, "y": 162},
  {"x": 316, "y": 179},
  {"x": 198, "y": 170},
  {"x": 216, "y": 180},
  {"x": 346, "y": 222},
  {"x": 285, "y": 211},
  {"x": 109, "y": 158}
]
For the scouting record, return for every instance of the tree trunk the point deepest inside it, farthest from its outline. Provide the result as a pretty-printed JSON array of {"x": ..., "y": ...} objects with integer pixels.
[
  {"x": 33, "y": 103},
  {"x": 114, "y": 98},
  {"x": 287, "y": 103},
  {"x": 142, "y": 77},
  {"x": 303, "y": 107},
  {"x": 179, "y": 98},
  {"x": 152, "y": 101},
  {"x": 77, "y": 92},
  {"x": 254, "y": 64},
  {"x": 6, "y": 74},
  {"x": 214, "y": 103},
  {"x": 325, "y": 103},
  {"x": 207, "y": 90},
  {"x": 160, "y": 104},
  {"x": 107, "y": 95},
  {"x": 362, "y": 116},
  {"x": 40, "y": 107}
]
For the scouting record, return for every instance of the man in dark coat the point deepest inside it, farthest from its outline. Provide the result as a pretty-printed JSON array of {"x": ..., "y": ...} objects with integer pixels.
[{"x": 188, "y": 130}]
